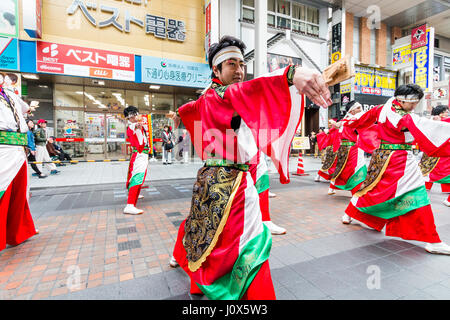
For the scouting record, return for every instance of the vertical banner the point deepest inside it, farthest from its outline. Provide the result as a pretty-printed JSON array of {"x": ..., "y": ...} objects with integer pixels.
[
  {"x": 336, "y": 36},
  {"x": 423, "y": 61},
  {"x": 147, "y": 119}
]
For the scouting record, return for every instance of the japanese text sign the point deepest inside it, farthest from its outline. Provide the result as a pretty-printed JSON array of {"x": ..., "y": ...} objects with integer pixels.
[
  {"x": 9, "y": 53},
  {"x": 423, "y": 62},
  {"x": 84, "y": 62},
  {"x": 375, "y": 81},
  {"x": 175, "y": 72}
]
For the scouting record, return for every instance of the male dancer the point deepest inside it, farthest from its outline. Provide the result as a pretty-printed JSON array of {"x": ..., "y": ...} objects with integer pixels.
[
  {"x": 393, "y": 194},
  {"x": 137, "y": 169},
  {"x": 437, "y": 169},
  {"x": 351, "y": 169},
  {"x": 330, "y": 142},
  {"x": 223, "y": 245},
  {"x": 16, "y": 223}
]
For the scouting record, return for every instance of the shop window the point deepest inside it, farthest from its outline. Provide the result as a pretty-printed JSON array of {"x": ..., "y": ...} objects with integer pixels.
[
  {"x": 298, "y": 11},
  {"x": 69, "y": 127},
  {"x": 283, "y": 23},
  {"x": 298, "y": 26},
  {"x": 271, "y": 20},
  {"x": 104, "y": 99},
  {"x": 248, "y": 10},
  {"x": 68, "y": 96},
  {"x": 162, "y": 102},
  {"x": 139, "y": 99},
  {"x": 271, "y": 5}
]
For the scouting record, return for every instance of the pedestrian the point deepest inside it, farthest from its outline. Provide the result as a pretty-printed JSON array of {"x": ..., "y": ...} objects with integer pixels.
[
  {"x": 437, "y": 169},
  {"x": 313, "y": 142},
  {"x": 223, "y": 245},
  {"x": 55, "y": 150},
  {"x": 393, "y": 194},
  {"x": 16, "y": 222},
  {"x": 351, "y": 169},
  {"x": 31, "y": 148},
  {"x": 167, "y": 145},
  {"x": 184, "y": 145},
  {"x": 40, "y": 137},
  {"x": 137, "y": 169}
]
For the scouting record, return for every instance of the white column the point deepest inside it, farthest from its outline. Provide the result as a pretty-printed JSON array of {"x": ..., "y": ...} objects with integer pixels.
[{"x": 260, "y": 37}]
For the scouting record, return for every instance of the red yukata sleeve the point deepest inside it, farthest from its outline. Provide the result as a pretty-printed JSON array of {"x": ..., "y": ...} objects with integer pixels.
[
  {"x": 322, "y": 140},
  {"x": 134, "y": 141},
  {"x": 367, "y": 128},
  {"x": 273, "y": 111},
  {"x": 433, "y": 137}
]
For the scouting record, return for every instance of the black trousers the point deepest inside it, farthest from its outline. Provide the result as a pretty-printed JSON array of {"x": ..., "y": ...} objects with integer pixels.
[{"x": 32, "y": 158}]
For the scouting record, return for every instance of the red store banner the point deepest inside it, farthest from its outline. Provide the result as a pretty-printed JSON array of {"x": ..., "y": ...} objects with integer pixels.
[
  {"x": 419, "y": 37},
  {"x": 84, "y": 62}
]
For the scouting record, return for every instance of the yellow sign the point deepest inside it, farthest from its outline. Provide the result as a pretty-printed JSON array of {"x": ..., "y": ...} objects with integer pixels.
[
  {"x": 401, "y": 55},
  {"x": 336, "y": 56},
  {"x": 300, "y": 143},
  {"x": 346, "y": 88}
]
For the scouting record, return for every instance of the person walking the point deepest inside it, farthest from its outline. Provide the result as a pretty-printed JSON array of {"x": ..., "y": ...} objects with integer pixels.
[
  {"x": 40, "y": 137},
  {"x": 31, "y": 148},
  {"x": 167, "y": 145}
]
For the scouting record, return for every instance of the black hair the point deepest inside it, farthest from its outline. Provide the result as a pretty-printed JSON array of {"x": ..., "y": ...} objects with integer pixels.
[
  {"x": 13, "y": 77},
  {"x": 129, "y": 110},
  {"x": 349, "y": 105},
  {"x": 439, "y": 109},
  {"x": 407, "y": 89},
  {"x": 225, "y": 41}
]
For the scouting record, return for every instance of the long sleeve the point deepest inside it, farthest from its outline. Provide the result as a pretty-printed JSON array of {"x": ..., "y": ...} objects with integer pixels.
[
  {"x": 191, "y": 118},
  {"x": 433, "y": 137},
  {"x": 31, "y": 144},
  {"x": 272, "y": 110},
  {"x": 134, "y": 141}
]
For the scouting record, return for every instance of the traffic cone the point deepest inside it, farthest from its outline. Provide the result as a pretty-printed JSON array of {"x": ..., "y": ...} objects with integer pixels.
[{"x": 300, "y": 170}]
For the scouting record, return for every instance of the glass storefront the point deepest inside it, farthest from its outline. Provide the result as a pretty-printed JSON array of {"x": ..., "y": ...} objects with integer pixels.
[{"x": 89, "y": 121}]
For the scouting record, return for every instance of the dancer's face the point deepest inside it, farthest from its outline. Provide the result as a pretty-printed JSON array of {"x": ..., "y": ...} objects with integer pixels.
[
  {"x": 357, "y": 110},
  {"x": 408, "y": 106},
  {"x": 233, "y": 71},
  {"x": 444, "y": 114}
]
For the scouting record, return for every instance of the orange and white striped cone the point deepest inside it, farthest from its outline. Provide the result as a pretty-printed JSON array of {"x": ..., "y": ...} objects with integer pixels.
[{"x": 300, "y": 169}]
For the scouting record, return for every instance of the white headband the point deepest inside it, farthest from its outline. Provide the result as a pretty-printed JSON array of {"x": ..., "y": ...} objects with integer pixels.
[
  {"x": 227, "y": 53},
  {"x": 408, "y": 98}
]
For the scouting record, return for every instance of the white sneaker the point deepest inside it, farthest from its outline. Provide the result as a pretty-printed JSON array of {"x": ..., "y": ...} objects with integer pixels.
[
  {"x": 130, "y": 209},
  {"x": 272, "y": 195},
  {"x": 173, "y": 263},
  {"x": 438, "y": 248},
  {"x": 274, "y": 229},
  {"x": 141, "y": 196},
  {"x": 346, "y": 219},
  {"x": 317, "y": 178},
  {"x": 447, "y": 203},
  {"x": 331, "y": 191}
]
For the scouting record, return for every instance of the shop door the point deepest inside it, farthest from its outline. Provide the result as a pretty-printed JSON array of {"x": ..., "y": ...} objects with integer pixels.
[
  {"x": 116, "y": 127},
  {"x": 95, "y": 136}
]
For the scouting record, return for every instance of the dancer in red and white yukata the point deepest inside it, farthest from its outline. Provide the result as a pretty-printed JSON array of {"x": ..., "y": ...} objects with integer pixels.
[
  {"x": 437, "y": 169},
  {"x": 137, "y": 170},
  {"x": 16, "y": 222},
  {"x": 223, "y": 245},
  {"x": 393, "y": 194}
]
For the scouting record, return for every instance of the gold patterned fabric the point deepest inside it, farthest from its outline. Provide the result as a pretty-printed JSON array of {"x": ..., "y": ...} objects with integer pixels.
[
  {"x": 378, "y": 164},
  {"x": 328, "y": 159},
  {"x": 427, "y": 164},
  {"x": 212, "y": 197},
  {"x": 342, "y": 157}
]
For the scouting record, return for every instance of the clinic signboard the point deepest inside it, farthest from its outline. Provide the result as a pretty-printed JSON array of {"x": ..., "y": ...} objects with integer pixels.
[{"x": 175, "y": 72}]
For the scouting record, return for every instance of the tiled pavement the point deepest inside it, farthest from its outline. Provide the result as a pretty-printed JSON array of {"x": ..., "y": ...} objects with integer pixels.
[{"x": 87, "y": 249}]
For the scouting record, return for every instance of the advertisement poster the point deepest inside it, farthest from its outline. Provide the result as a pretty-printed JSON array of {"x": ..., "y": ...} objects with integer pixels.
[
  {"x": 9, "y": 22},
  {"x": 419, "y": 37},
  {"x": 375, "y": 81},
  {"x": 9, "y": 53},
  {"x": 11, "y": 82},
  {"x": 84, "y": 62},
  {"x": 423, "y": 61},
  {"x": 276, "y": 61},
  {"x": 401, "y": 55}
]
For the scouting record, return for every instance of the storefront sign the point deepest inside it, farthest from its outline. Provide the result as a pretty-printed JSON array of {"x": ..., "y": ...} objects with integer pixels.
[
  {"x": 423, "y": 60},
  {"x": 276, "y": 61},
  {"x": 418, "y": 37},
  {"x": 32, "y": 22},
  {"x": 9, "y": 53},
  {"x": 175, "y": 72},
  {"x": 300, "y": 143},
  {"x": 157, "y": 26},
  {"x": 9, "y": 18},
  {"x": 401, "y": 55},
  {"x": 84, "y": 62},
  {"x": 375, "y": 81},
  {"x": 368, "y": 101},
  {"x": 12, "y": 82}
]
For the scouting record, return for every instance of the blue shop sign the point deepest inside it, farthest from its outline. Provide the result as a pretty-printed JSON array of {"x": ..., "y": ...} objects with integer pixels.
[
  {"x": 9, "y": 49},
  {"x": 175, "y": 72}
]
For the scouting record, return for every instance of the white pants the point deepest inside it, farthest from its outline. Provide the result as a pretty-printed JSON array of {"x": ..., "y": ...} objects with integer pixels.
[
  {"x": 43, "y": 156},
  {"x": 167, "y": 156},
  {"x": 186, "y": 156}
]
